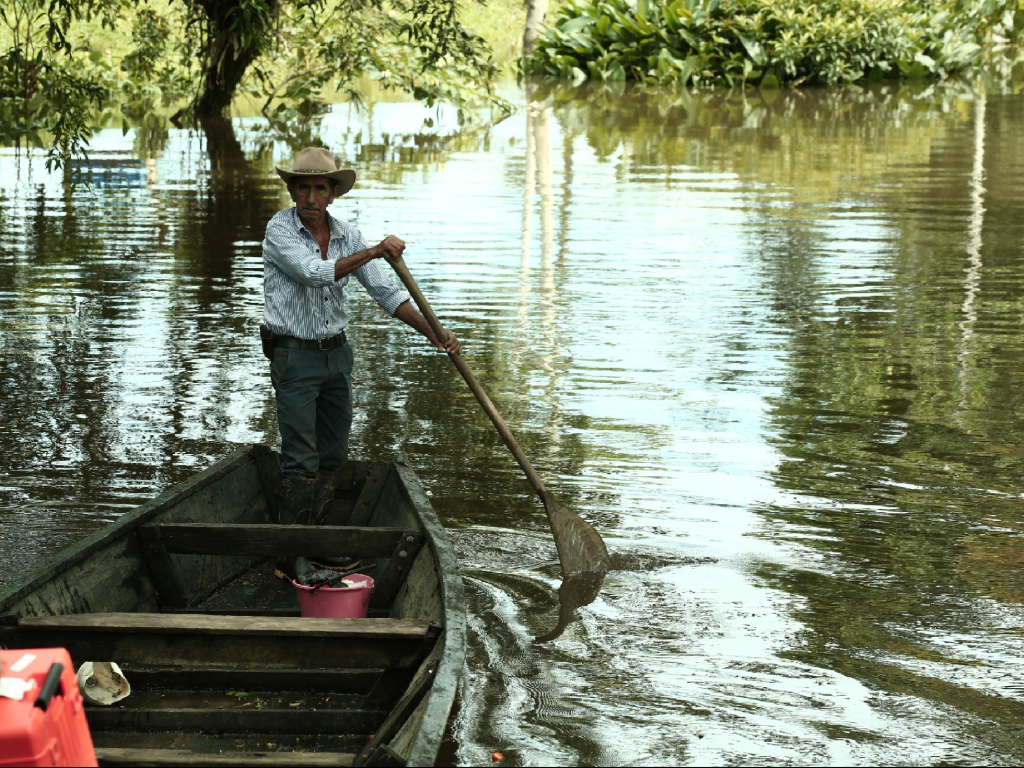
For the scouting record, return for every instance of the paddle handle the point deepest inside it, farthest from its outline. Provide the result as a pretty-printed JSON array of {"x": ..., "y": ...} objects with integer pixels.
[{"x": 485, "y": 402}]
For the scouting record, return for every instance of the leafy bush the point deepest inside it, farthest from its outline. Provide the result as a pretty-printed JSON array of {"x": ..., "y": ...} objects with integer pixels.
[{"x": 728, "y": 42}]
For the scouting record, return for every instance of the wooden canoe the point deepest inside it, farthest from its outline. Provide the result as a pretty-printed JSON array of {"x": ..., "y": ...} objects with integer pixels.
[{"x": 181, "y": 594}]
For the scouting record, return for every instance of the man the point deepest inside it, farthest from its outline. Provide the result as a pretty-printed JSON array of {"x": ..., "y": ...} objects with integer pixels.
[{"x": 307, "y": 258}]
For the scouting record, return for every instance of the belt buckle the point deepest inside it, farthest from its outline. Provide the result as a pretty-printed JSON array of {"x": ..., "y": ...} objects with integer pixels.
[{"x": 320, "y": 345}]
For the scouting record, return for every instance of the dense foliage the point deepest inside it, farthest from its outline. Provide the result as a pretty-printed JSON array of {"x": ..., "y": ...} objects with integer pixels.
[
  {"x": 417, "y": 46},
  {"x": 60, "y": 77},
  {"x": 42, "y": 90},
  {"x": 770, "y": 42}
]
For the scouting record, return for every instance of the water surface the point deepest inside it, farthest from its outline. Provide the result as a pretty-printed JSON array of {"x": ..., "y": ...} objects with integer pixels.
[{"x": 769, "y": 345}]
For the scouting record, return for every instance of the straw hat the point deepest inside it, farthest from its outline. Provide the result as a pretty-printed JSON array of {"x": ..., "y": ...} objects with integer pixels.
[{"x": 317, "y": 161}]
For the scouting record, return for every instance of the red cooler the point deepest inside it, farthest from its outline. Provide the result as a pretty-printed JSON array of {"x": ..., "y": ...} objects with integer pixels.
[{"x": 47, "y": 725}]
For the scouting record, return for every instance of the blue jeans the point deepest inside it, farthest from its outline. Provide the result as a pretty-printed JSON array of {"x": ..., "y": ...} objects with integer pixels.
[{"x": 314, "y": 407}]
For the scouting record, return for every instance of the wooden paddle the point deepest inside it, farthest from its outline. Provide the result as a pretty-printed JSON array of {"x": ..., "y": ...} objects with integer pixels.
[{"x": 580, "y": 548}]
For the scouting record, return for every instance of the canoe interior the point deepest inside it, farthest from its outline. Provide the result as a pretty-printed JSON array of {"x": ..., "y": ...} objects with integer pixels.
[{"x": 181, "y": 594}]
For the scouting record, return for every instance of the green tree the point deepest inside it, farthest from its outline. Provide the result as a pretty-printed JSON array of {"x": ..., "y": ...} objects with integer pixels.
[
  {"x": 198, "y": 54},
  {"x": 40, "y": 90}
]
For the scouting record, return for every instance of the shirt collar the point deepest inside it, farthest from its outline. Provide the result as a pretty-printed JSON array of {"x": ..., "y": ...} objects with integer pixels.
[{"x": 332, "y": 223}]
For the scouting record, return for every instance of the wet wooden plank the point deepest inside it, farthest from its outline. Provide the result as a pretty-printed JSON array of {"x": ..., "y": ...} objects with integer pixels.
[
  {"x": 376, "y": 479},
  {"x": 392, "y": 507},
  {"x": 268, "y": 463},
  {"x": 236, "y": 642},
  {"x": 355, "y": 681},
  {"x": 248, "y": 721},
  {"x": 245, "y": 611},
  {"x": 386, "y": 586},
  {"x": 190, "y": 649},
  {"x": 419, "y": 595},
  {"x": 114, "y": 578},
  {"x": 360, "y": 469},
  {"x": 388, "y": 688},
  {"x": 337, "y": 511},
  {"x": 277, "y": 540},
  {"x": 384, "y": 756},
  {"x": 282, "y": 626},
  {"x": 171, "y": 757},
  {"x": 400, "y": 713},
  {"x": 371, "y": 613},
  {"x": 161, "y": 567},
  {"x": 215, "y": 744}
]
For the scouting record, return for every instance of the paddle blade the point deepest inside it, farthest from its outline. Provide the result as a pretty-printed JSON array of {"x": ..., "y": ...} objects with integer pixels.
[{"x": 580, "y": 548}]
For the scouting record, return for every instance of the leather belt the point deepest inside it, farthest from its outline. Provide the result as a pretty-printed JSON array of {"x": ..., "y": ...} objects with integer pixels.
[{"x": 322, "y": 344}]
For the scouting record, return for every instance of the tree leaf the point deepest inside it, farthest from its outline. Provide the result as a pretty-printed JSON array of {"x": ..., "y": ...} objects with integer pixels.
[
  {"x": 754, "y": 49},
  {"x": 575, "y": 25}
]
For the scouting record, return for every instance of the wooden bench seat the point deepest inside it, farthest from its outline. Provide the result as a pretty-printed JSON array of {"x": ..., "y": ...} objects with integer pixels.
[
  {"x": 252, "y": 721},
  {"x": 265, "y": 540},
  {"x": 203, "y": 623},
  {"x": 170, "y": 757},
  {"x": 266, "y": 642},
  {"x": 344, "y": 681}
]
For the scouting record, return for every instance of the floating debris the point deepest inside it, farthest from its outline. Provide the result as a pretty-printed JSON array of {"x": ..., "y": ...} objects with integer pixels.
[{"x": 102, "y": 683}]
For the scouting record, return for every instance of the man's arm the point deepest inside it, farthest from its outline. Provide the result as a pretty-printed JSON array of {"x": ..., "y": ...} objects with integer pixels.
[
  {"x": 407, "y": 314},
  {"x": 387, "y": 295},
  {"x": 390, "y": 244}
]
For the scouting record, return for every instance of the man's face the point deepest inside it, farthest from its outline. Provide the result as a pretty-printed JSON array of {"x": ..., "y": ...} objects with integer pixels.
[{"x": 312, "y": 195}]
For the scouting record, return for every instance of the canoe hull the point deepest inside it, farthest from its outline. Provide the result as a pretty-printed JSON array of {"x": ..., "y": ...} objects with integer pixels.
[{"x": 179, "y": 592}]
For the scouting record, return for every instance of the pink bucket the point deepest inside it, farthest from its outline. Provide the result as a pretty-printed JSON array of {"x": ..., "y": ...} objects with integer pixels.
[{"x": 336, "y": 602}]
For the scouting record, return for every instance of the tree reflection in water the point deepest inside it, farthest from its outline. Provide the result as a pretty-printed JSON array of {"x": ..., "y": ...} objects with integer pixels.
[{"x": 769, "y": 342}]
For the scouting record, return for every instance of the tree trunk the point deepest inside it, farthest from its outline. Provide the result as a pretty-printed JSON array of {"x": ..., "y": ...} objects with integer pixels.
[
  {"x": 227, "y": 59},
  {"x": 536, "y": 10}
]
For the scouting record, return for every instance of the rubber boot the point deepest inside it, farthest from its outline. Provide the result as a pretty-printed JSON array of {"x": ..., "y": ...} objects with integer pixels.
[
  {"x": 295, "y": 507},
  {"x": 324, "y": 495}
]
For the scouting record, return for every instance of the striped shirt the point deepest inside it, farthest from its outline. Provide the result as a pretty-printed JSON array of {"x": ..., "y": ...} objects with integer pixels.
[{"x": 300, "y": 295}]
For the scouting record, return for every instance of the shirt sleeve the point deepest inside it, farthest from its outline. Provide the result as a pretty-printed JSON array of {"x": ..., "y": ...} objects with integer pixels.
[
  {"x": 377, "y": 281},
  {"x": 292, "y": 253}
]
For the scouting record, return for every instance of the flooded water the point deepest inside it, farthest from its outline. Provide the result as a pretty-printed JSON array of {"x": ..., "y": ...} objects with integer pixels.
[{"x": 770, "y": 346}]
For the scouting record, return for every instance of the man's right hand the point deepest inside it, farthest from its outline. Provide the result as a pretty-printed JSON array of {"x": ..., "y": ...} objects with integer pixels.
[{"x": 390, "y": 248}]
